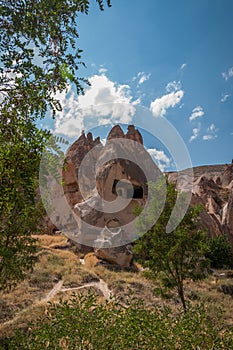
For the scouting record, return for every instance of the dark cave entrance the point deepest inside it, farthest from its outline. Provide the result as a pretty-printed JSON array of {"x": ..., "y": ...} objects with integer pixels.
[{"x": 125, "y": 191}]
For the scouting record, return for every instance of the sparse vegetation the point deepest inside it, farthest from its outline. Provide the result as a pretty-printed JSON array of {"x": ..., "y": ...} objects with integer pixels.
[
  {"x": 27, "y": 303},
  {"x": 173, "y": 256},
  {"x": 83, "y": 323},
  {"x": 220, "y": 252}
]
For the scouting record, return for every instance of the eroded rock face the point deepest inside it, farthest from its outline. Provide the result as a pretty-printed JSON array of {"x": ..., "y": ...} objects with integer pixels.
[
  {"x": 213, "y": 188},
  {"x": 74, "y": 156},
  {"x": 121, "y": 256},
  {"x": 108, "y": 176}
]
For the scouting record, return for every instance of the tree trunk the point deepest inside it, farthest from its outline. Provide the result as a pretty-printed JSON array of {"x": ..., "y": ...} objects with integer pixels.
[{"x": 181, "y": 295}]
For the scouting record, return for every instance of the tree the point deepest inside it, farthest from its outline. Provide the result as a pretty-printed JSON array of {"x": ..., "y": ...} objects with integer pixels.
[
  {"x": 220, "y": 252},
  {"x": 172, "y": 256},
  {"x": 38, "y": 57}
]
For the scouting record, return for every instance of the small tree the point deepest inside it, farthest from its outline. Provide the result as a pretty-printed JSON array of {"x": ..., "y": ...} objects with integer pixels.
[
  {"x": 38, "y": 58},
  {"x": 220, "y": 252},
  {"x": 177, "y": 255}
]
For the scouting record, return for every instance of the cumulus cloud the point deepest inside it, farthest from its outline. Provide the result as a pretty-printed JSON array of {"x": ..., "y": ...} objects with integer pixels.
[
  {"x": 160, "y": 158},
  {"x": 211, "y": 133},
  {"x": 141, "y": 77},
  {"x": 103, "y": 70},
  {"x": 173, "y": 86},
  {"x": 160, "y": 105},
  {"x": 224, "y": 97},
  {"x": 104, "y": 102},
  {"x": 197, "y": 112},
  {"x": 195, "y": 134},
  {"x": 228, "y": 74},
  {"x": 183, "y": 66},
  {"x": 207, "y": 137}
]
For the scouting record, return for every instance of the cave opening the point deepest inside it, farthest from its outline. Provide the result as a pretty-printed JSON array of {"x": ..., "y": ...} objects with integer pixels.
[
  {"x": 137, "y": 192},
  {"x": 126, "y": 191}
]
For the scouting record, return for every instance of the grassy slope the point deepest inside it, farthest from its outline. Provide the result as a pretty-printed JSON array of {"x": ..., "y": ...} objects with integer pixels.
[{"x": 58, "y": 261}]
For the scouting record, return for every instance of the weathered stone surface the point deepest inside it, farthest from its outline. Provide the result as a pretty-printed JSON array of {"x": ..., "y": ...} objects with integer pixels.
[
  {"x": 227, "y": 175},
  {"x": 121, "y": 256},
  {"x": 116, "y": 132},
  {"x": 212, "y": 187},
  {"x": 134, "y": 134},
  {"x": 106, "y": 176},
  {"x": 74, "y": 156}
]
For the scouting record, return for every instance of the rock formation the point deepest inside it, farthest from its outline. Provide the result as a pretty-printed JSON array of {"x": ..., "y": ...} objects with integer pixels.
[
  {"x": 112, "y": 179},
  {"x": 212, "y": 187}
]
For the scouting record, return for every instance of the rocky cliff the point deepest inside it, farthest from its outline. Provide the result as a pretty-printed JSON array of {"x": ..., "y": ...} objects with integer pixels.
[
  {"x": 212, "y": 186},
  {"x": 109, "y": 180}
]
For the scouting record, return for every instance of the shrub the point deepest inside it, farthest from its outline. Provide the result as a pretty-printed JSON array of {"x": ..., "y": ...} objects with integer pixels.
[
  {"x": 220, "y": 253},
  {"x": 83, "y": 323}
]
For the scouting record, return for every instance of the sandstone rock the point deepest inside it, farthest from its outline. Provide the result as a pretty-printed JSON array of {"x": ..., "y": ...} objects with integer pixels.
[
  {"x": 212, "y": 187},
  {"x": 227, "y": 175},
  {"x": 207, "y": 221},
  {"x": 91, "y": 260},
  {"x": 121, "y": 256},
  {"x": 74, "y": 156},
  {"x": 134, "y": 134},
  {"x": 116, "y": 132}
]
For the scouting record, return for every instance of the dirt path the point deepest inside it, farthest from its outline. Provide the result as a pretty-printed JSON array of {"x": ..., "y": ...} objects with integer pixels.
[
  {"x": 101, "y": 285},
  {"x": 53, "y": 291}
]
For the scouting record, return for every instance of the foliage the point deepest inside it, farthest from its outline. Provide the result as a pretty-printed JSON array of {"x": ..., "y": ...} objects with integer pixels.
[
  {"x": 20, "y": 211},
  {"x": 220, "y": 252},
  {"x": 38, "y": 52},
  {"x": 172, "y": 256},
  {"x": 38, "y": 57},
  {"x": 83, "y": 323}
]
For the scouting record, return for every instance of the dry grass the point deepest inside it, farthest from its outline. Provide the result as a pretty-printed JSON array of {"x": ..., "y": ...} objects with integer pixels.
[{"x": 57, "y": 261}]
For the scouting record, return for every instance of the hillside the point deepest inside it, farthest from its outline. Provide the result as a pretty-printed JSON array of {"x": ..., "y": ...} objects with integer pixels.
[{"x": 60, "y": 271}]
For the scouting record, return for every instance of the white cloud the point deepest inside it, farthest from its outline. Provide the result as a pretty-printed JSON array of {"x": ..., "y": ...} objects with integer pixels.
[
  {"x": 212, "y": 127},
  {"x": 195, "y": 134},
  {"x": 183, "y": 66},
  {"x": 103, "y": 141},
  {"x": 211, "y": 133},
  {"x": 207, "y": 137},
  {"x": 160, "y": 105},
  {"x": 228, "y": 74},
  {"x": 141, "y": 77},
  {"x": 160, "y": 158},
  {"x": 104, "y": 102},
  {"x": 197, "y": 112},
  {"x": 224, "y": 97},
  {"x": 173, "y": 86},
  {"x": 103, "y": 70}
]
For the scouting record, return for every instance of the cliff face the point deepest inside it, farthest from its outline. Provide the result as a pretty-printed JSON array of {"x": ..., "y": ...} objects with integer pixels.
[
  {"x": 108, "y": 177},
  {"x": 213, "y": 188},
  {"x": 212, "y": 185}
]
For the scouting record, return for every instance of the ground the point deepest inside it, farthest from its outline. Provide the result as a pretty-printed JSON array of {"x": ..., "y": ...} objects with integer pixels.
[{"x": 60, "y": 272}]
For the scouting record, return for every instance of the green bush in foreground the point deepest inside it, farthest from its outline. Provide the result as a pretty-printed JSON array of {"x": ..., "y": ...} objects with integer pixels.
[{"x": 82, "y": 323}]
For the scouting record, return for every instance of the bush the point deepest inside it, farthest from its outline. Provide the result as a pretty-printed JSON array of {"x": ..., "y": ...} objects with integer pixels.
[
  {"x": 220, "y": 253},
  {"x": 83, "y": 323}
]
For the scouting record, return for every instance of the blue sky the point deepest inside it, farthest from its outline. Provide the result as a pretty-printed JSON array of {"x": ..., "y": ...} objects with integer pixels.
[{"x": 173, "y": 57}]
